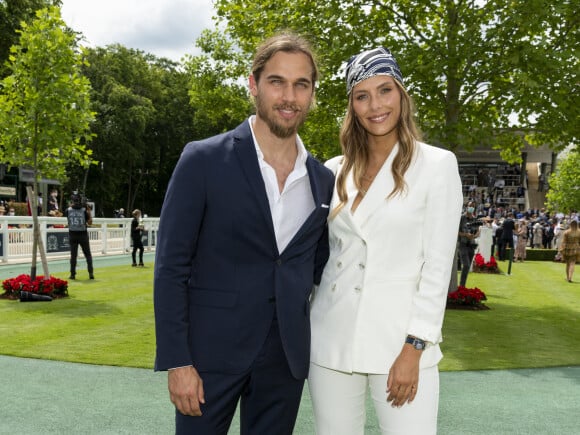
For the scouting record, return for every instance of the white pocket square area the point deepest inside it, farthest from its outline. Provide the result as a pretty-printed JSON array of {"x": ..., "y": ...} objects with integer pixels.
[{"x": 324, "y": 205}]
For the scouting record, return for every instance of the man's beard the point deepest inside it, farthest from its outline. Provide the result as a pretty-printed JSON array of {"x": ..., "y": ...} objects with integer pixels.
[{"x": 277, "y": 129}]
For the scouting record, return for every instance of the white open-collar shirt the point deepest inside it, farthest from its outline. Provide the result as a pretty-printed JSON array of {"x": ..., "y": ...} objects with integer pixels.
[{"x": 293, "y": 205}]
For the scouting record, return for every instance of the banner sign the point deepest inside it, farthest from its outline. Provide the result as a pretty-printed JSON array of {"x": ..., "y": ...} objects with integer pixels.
[{"x": 57, "y": 241}]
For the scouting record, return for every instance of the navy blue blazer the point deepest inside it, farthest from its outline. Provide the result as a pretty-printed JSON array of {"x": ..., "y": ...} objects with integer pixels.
[{"x": 219, "y": 277}]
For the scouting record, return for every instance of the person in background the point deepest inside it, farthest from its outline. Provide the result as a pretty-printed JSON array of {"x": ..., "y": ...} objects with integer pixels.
[
  {"x": 242, "y": 239},
  {"x": 485, "y": 238},
  {"x": 570, "y": 248},
  {"x": 377, "y": 314},
  {"x": 494, "y": 243},
  {"x": 548, "y": 236},
  {"x": 52, "y": 203},
  {"x": 538, "y": 234},
  {"x": 507, "y": 236},
  {"x": 39, "y": 205},
  {"x": 79, "y": 217},
  {"x": 136, "y": 237},
  {"x": 521, "y": 232},
  {"x": 559, "y": 229},
  {"x": 469, "y": 231}
]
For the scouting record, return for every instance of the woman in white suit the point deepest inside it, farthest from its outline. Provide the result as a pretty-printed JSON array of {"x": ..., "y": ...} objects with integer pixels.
[{"x": 377, "y": 314}]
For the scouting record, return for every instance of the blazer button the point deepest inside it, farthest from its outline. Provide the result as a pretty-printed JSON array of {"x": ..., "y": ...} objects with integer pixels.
[
  {"x": 361, "y": 265},
  {"x": 279, "y": 262},
  {"x": 339, "y": 264},
  {"x": 358, "y": 289},
  {"x": 333, "y": 288}
]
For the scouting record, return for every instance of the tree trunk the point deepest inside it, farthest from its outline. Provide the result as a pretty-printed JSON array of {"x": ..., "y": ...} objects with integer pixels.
[{"x": 37, "y": 244}]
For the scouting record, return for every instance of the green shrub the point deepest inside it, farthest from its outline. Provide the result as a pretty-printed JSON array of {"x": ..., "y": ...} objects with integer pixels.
[{"x": 541, "y": 254}]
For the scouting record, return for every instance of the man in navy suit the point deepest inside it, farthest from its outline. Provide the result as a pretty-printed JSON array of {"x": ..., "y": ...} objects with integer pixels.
[{"x": 242, "y": 240}]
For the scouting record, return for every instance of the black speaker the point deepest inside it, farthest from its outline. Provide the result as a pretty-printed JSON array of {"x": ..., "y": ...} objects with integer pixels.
[{"x": 33, "y": 297}]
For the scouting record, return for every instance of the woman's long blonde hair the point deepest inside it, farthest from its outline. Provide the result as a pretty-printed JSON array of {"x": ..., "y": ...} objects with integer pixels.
[{"x": 354, "y": 141}]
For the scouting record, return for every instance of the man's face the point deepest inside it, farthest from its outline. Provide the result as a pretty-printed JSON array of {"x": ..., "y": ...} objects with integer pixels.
[{"x": 284, "y": 93}]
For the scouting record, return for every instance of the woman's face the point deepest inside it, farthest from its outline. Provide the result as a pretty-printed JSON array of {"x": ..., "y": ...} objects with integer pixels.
[{"x": 377, "y": 106}]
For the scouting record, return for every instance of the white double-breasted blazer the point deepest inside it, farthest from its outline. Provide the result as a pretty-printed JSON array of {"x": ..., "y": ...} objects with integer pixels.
[{"x": 389, "y": 267}]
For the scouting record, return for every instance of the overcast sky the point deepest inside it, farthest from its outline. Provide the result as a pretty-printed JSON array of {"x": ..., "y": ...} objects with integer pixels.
[{"x": 165, "y": 28}]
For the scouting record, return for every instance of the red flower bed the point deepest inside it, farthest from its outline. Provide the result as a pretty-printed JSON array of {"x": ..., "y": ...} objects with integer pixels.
[
  {"x": 54, "y": 287},
  {"x": 479, "y": 264},
  {"x": 468, "y": 298}
]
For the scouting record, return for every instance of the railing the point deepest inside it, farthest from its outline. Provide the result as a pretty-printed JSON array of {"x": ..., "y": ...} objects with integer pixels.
[{"x": 107, "y": 236}]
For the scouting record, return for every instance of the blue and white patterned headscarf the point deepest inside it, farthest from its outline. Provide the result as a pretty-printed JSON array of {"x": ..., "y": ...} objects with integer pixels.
[{"x": 370, "y": 63}]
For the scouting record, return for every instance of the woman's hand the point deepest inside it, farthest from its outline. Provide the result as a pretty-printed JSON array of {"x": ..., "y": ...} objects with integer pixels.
[{"x": 403, "y": 380}]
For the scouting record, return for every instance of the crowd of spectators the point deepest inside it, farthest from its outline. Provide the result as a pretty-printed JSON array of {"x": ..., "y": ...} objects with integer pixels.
[{"x": 534, "y": 228}]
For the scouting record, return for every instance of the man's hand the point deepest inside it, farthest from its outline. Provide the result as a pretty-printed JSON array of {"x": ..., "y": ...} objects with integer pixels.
[{"x": 186, "y": 390}]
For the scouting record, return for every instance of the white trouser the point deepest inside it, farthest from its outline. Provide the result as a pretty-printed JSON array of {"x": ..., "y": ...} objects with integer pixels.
[{"x": 339, "y": 399}]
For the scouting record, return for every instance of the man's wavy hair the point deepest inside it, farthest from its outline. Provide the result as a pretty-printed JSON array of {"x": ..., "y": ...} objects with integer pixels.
[{"x": 287, "y": 42}]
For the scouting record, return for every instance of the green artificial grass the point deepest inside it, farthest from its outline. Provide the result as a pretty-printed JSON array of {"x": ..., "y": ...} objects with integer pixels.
[
  {"x": 106, "y": 321},
  {"x": 532, "y": 321}
]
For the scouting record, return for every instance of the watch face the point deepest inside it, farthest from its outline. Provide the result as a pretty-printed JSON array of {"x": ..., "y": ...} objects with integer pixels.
[{"x": 416, "y": 343}]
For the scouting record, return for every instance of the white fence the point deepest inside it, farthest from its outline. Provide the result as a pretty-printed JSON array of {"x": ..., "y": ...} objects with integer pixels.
[{"x": 107, "y": 236}]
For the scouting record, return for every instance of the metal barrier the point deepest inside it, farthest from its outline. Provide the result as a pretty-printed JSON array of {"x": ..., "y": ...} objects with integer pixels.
[{"x": 107, "y": 236}]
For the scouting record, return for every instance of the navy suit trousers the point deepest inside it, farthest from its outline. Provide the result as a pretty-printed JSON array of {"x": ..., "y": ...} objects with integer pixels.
[{"x": 268, "y": 394}]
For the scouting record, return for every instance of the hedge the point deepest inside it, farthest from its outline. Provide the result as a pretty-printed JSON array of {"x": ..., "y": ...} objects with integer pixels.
[{"x": 538, "y": 254}]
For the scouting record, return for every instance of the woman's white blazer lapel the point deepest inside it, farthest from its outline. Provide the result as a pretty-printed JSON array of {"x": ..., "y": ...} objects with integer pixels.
[{"x": 376, "y": 195}]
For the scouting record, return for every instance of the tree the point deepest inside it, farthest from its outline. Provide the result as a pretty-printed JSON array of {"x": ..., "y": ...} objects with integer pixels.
[
  {"x": 564, "y": 193},
  {"x": 216, "y": 88},
  {"x": 44, "y": 106},
  {"x": 143, "y": 121},
  {"x": 12, "y": 14},
  {"x": 495, "y": 73}
]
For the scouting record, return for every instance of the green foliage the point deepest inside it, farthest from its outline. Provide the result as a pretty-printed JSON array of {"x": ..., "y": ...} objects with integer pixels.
[
  {"x": 12, "y": 14},
  {"x": 143, "y": 121},
  {"x": 564, "y": 193},
  {"x": 216, "y": 93},
  {"x": 44, "y": 104},
  {"x": 496, "y": 74}
]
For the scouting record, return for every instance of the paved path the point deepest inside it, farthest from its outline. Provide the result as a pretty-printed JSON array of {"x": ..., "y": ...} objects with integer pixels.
[{"x": 52, "y": 397}]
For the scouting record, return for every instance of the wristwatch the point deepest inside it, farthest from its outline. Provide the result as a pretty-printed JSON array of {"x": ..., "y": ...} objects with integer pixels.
[{"x": 416, "y": 342}]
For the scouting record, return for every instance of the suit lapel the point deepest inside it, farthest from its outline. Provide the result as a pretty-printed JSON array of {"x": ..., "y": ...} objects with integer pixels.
[
  {"x": 376, "y": 196},
  {"x": 246, "y": 152},
  {"x": 317, "y": 197},
  {"x": 314, "y": 182}
]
